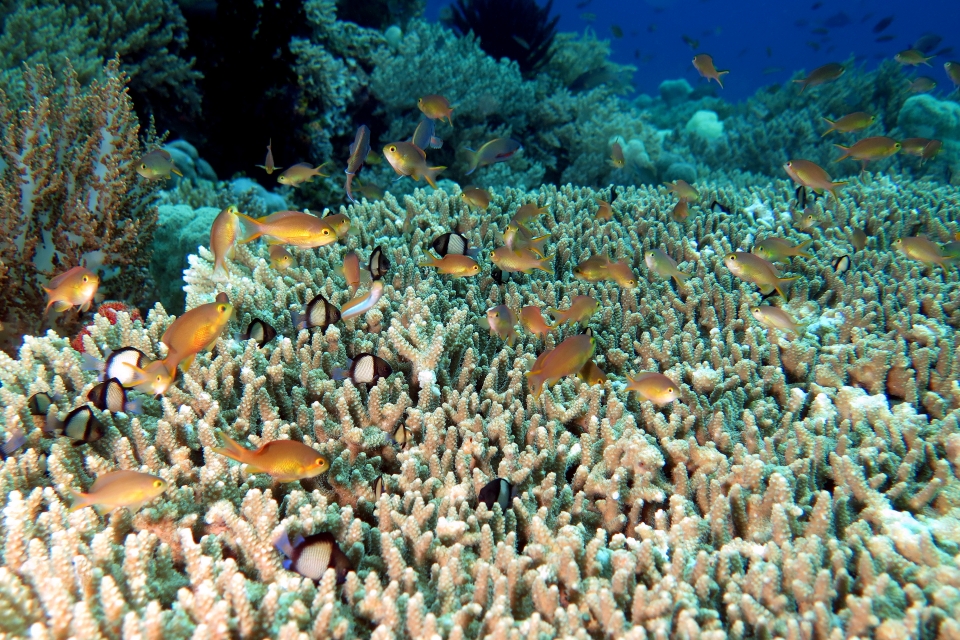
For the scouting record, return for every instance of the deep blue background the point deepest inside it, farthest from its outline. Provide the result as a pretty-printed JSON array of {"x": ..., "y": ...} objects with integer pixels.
[{"x": 738, "y": 34}]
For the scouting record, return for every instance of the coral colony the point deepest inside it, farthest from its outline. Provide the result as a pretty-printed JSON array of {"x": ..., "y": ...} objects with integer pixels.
[{"x": 478, "y": 345}]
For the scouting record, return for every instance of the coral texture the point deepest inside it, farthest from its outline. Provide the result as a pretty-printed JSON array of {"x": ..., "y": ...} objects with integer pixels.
[{"x": 799, "y": 488}]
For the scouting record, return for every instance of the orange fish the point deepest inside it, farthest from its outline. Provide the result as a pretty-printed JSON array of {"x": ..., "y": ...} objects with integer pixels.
[
  {"x": 580, "y": 311},
  {"x": 224, "y": 233},
  {"x": 435, "y": 107},
  {"x": 153, "y": 378},
  {"x": 600, "y": 268},
  {"x": 116, "y": 489},
  {"x": 195, "y": 331},
  {"x": 268, "y": 164},
  {"x": 517, "y": 237},
  {"x": 567, "y": 359},
  {"x": 653, "y": 386},
  {"x": 704, "y": 64},
  {"x": 873, "y": 148},
  {"x": 811, "y": 175},
  {"x": 821, "y": 75},
  {"x": 407, "y": 159},
  {"x": 283, "y": 460},
  {"x": 592, "y": 374},
  {"x": 452, "y": 264},
  {"x": 528, "y": 212},
  {"x": 295, "y": 228},
  {"x": 280, "y": 258},
  {"x": 523, "y": 260},
  {"x": 501, "y": 320},
  {"x": 622, "y": 274},
  {"x": 339, "y": 221},
  {"x": 300, "y": 173},
  {"x": 532, "y": 320},
  {"x": 351, "y": 271},
  {"x": 479, "y": 198},
  {"x": 74, "y": 287},
  {"x": 681, "y": 211},
  {"x": 685, "y": 190},
  {"x": 604, "y": 210}
]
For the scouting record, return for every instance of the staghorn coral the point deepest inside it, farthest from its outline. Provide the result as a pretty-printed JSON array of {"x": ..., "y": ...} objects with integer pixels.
[
  {"x": 70, "y": 194},
  {"x": 799, "y": 488}
]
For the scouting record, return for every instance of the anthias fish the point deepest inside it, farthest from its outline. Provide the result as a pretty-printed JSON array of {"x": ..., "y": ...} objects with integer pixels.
[
  {"x": 116, "y": 489},
  {"x": 283, "y": 460}
]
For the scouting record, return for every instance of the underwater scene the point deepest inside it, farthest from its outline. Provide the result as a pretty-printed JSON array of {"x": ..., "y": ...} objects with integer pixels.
[{"x": 450, "y": 319}]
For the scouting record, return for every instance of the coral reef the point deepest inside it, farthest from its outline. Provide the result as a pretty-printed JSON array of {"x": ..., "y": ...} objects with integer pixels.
[
  {"x": 517, "y": 29},
  {"x": 69, "y": 195},
  {"x": 799, "y": 488}
]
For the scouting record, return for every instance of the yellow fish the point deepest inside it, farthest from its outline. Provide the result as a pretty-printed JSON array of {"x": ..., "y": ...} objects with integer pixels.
[
  {"x": 912, "y": 58},
  {"x": 755, "y": 269},
  {"x": 295, "y": 228},
  {"x": 851, "y": 122},
  {"x": 340, "y": 223},
  {"x": 351, "y": 271},
  {"x": 453, "y": 264},
  {"x": 580, "y": 311},
  {"x": 622, "y": 274},
  {"x": 479, "y": 198},
  {"x": 777, "y": 318},
  {"x": 923, "y": 84},
  {"x": 811, "y": 175},
  {"x": 195, "y": 331},
  {"x": 407, "y": 159},
  {"x": 500, "y": 320},
  {"x": 655, "y": 387},
  {"x": 116, "y": 489},
  {"x": 684, "y": 190},
  {"x": 524, "y": 260},
  {"x": 704, "y": 65},
  {"x": 592, "y": 374},
  {"x": 821, "y": 75},
  {"x": 664, "y": 266},
  {"x": 300, "y": 173},
  {"x": 873, "y": 148},
  {"x": 922, "y": 250},
  {"x": 74, "y": 287},
  {"x": 567, "y": 359},
  {"x": 780, "y": 250},
  {"x": 224, "y": 233},
  {"x": 517, "y": 237},
  {"x": 593, "y": 269},
  {"x": 435, "y": 107},
  {"x": 280, "y": 258},
  {"x": 532, "y": 320},
  {"x": 953, "y": 71},
  {"x": 528, "y": 212},
  {"x": 268, "y": 164},
  {"x": 604, "y": 210},
  {"x": 156, "y": 165},
  {"x": 153, "y": 378},
  {"x": 283, "y": 460},
  {"x": 681, "y": 211}
]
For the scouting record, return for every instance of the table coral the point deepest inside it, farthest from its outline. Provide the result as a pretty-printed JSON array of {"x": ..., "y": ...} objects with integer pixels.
[{"x": 800, "y": 487}]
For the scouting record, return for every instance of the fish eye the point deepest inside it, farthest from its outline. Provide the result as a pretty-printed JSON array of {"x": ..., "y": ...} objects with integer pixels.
[
  {"x": 318, "y": 462},
  {"x": 420, "y": 101},
  {"x": 159, "y": 377},
  {"x": 158, "y": 483},
  {"x": 86, "y": 278},
  {"x": 671, "y": 390},
  {"x": 630, "y": 282},
  {"x": 476, "y": 267},
  {"x": 143, "y": 165},
  {"x": 392, "y": 148},
  {"x": 222, "y": 308},
  {"x": 733, "y": 257},
  {"x": 326, "y": 232}
]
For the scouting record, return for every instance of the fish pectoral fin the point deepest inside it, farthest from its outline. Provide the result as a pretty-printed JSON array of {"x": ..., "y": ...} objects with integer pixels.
[
  {"x": 187, "y": 362},
  {"x": 250, "y": 468},
  {"x": 61, "y": 305},
  {"x": 103, "y": 509}
]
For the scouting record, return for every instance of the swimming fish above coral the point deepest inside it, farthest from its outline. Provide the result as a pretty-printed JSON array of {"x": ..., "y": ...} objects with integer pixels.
[
  {"x": 850, "y": 122},
  {"x": 358, "y": 153},
  {"x": 157, "y": 165},
  {"x": 496, "y": 150},
  {"x": 811, "y": 175},
  {"x": 260, "y": 331},
  {"x": 116, "y": 489},
  {"x": 581, "y": 309},
  {"x": 75, "y": 287},
  {"x": 283, "y": 460},
  {"x": 435, "y": 107},
  {"x": 653, "y": 386},
  {"x": 776, "y": 318},
  {"x": 664, "y": 266},
  {"x": 318, "y": 313},
  {"x": 224, "y": 235},
  {"x": 501, "y": 321},
  {"x": 313, "y": 555},
  {"x": 452, "y": 264},
  {"x": 775, "y": 249},
  {"x": 196, "y": 330},
  {"x": 704, "y": 65},
  {"x": 268, "y": 164},
  {"x": 408, "y": 159},
  {"x": 567, "y": 359},
  {"x": 296, "y": 228},
  {"x": 364, "y": 368},
  {"x": 521, "y": 261},
  {"x": 755, "y": 269},
  {"x": 301, "y": 173},
  {"x": 822, "y": 75}
]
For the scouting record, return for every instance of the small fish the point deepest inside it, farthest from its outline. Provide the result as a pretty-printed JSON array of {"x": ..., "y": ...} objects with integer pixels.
[
  {"x": 780, "y": 250},
  {"x": 39, "y": 403},
  {"x": 813, "y": 45},
  {"x": 479, "y": 198},
  {"x": 592, "y": 374},
  {"x": 882, "y": 24},
  {"x": 751, "y": 268},
  {"x": 690, "y": 42},
  {"x": 452, "y": 242},
  {"x": 821, "y": 75},
  {"x": 681, "y": 211},
  {"x": 16, "y": 440},
  {"x": 410, "y": 160},
  {"x": 280, "y": 258},
  {"x": 500, "y": 320},
  {"x": 358, "y": 153},
  {"x": 930, "y": 150},
  {"x": 851, "y": 122},
  {"x": 704, "y": 65},
  {"x": 912, "y": 58},
  {"x": 338, "y": 221},
  {"x": 364, "y": 368},
  {"x": 616, "y": 31},
  {"x": 927, "y": 42},
  {"x": 841, "y": 265},
  {"x": 268, "y": 164},
  {"x": 224, "y": 234},
  {"x": 112, "y": 396},
  {"x": 435, "y": 107},
  {"x": 153, "y": 378},
  {"x": 370, "y": 191},
  {"x": 520, "y": 41},
  {"x": 532, "y": 320},
  {"x": 458, "y": 266},
  {"x": 622, "y": 274},
  {"x": 424, "y": 136},
  {"x": 616, "y": 155},
  {"x": 653, "y": 386},
  {"x": 75, "y": 287},
  {"x": 351, "y": 271},
  {"x": 364, "y": 302},
  {"x": 497, "y": 150},
  {"x": 80, "y": 425},
  {"x": 604, "y": 210},
  {"x": 567, "y": 359},
  {"x": 808, "y": 174},
  {"x": 588, "y": 17},
  {"x": 283, "y": 460},
  {"x": 294, "y": 228},
  {"x": 807, "y": 222},
  {"x": 858, "y": 239},
  {"x": 130, "y": 489},
  {"x": 313, "y": 555},
  {"x": 319, "y": 312},
  {"x": 378, "y": 264},
  {"x": 196, "y": 330},
  {"x": 593, "y": 269},
  {"x": 777, "y": 318},
  {"x": 522, "y": 260},
  {"x": 116, "y": 365},
  {"x": 157, "y": 164},
  {"x": 922, "y": 250},
  {"x": 259, "y": 331},
  {"x": 684, "y": 190},
  {"x": 527, "y": 213},
  {"x": 664, "y": 266},
  {"x": 517, "y": 237},
  {"x": 923, "y": 84},
  {"x": 953, "y": 71},
  {"x": 300, "y": 173},
  {"x": 403, "y": 436},
  {"x": 497, "y": 491},
  {"x": 581, "y": 309},
  {"x": 868, "y": 149}
]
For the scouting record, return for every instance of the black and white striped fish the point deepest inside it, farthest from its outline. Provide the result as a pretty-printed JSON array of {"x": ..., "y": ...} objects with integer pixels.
[
  {"x": 453, "y": 243},
  {"x": 112, "y": 396},
  {"x": 378, "y": 264},
  {"x": 319, "y": 312},
  {"x": 39, "y": 403},
  {"x": 80, "y": 425},
  {"x": 119, "y": 364},
  {"x": 313, "y": 555},
  {"x": 259, "y": 331},
  {"x": 365, "y": 368},
  {"x": 497, "y": 491}
]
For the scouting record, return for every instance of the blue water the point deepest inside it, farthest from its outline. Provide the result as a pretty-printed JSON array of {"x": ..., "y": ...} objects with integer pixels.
[{"x": 759, "y": 41}]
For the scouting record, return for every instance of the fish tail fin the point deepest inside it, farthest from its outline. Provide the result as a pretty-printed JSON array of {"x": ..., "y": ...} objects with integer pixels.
[
  {"x": 473, "y": 161},
  {"x": 832, "y": 126},
  {"x": 319, "y": 170},
  {"x": 255, "y": 228},
  {"x": 802, "y": 249},
  {"x": 720, "y": 73},
  {"x": 298, "y": 319},
  {"x": 176, "y": 171},
  {"x": 779, "y": 284},
  {"x": 544, "y": 264},
  {"x": 681, "y": 277},
  {"x": 431, "y": 261},
  {"x": 834, "y": 187},
  {"x": 430, "y": 175},
  {"x": 846, "y": 152},
  {"x": 232, "y": 449},
  {"x": 79, "y": 500}
]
